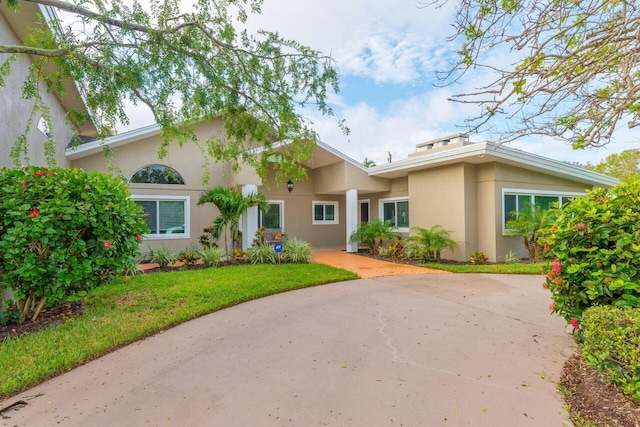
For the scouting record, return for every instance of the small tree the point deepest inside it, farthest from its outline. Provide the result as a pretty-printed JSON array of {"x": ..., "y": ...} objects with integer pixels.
[
  {"x": 63, "y": 232},
  {"x": 373, "y": 233},
  {"x": 232, "y": 204},
  {"x": 429, "y": 243},
  {"x": 530, "y": 223}
]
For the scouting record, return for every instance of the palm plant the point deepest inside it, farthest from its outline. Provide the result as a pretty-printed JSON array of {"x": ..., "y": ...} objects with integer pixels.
[
  {"x": 232, "y": 204},
  {"x": 429, "y": 243},
  {"x": 373, "y": 233},
  {"x": 530, "y": 223}
]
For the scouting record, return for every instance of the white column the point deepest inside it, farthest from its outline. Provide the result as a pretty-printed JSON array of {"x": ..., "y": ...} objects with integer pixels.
[
  {"x": 352, "y": 218},
  {"x": 249, "y": 219}
]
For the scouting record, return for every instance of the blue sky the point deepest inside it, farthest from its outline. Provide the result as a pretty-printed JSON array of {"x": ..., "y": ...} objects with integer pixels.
[{"x": 388, "y": 55}]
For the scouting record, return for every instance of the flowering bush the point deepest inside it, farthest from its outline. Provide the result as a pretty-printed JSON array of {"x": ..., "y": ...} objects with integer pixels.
[
  {"x": 596, "y": 246},
  {"x": 62, "y": 233}
]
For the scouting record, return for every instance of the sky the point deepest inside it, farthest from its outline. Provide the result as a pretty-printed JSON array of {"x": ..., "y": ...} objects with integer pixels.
[{"x": 388, "y": 54}]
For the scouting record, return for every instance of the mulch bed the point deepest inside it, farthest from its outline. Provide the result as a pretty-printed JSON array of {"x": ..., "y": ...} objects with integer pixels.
[{"x": 50, "y": 317}]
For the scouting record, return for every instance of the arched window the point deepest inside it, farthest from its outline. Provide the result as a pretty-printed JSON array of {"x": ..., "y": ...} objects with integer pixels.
[{"x": 156, "y": 174}]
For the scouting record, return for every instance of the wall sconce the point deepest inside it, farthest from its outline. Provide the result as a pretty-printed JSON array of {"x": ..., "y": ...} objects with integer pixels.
[{"x": 289, "y": 185}]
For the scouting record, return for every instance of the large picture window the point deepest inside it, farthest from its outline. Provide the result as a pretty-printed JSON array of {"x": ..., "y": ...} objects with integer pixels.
[
  {"x": 515, "y": 201},
  {"x": 274, "y": 217},
  {"x": 167, "y": 217},
  {"x": 396, "y": 211},
  {"x": 325, "y": 213}
]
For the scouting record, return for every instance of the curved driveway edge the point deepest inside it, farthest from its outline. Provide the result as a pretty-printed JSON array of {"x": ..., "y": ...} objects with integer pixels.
[{"x": 422, "y": 350}]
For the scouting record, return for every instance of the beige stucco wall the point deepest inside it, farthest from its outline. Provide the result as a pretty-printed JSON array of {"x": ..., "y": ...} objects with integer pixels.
[
  {"x": 188, "y": 161},
  {"x": 341, "y": 176},
  {"x": 15, "y": 111}
]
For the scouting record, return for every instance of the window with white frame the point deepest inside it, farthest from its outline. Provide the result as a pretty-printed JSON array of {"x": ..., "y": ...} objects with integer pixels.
[
  {"x": 274, "y": 216},
  {"x": 156, "y": 174},
  {"x": 395, "y": 210},
  {"x": 167, "y": 216},
  {"x": 514, "y": 201},
  {"x": 325, "y": 213}
]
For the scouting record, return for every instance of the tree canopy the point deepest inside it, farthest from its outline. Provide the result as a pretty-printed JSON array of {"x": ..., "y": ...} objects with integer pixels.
[
  {"x": 187, "y": 64},
  {"x": 624, "y": 165},
  {"x": 568, "y": 69}
]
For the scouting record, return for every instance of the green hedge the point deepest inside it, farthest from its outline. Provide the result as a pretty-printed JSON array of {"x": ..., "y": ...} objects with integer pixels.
[{"x": 612, "y": 345}]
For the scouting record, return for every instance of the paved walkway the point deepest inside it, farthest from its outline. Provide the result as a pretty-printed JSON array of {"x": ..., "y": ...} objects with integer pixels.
[
  {"x": 418, "y": 350},
  {"x": 367, "y": 267}
]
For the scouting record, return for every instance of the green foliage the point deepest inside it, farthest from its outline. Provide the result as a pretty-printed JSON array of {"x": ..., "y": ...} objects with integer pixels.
[
  {"x": 374, "y": 233},
  {"x": 597, "y": 252},
  {"x": 478, "y": 258},
  {"x": 189, "y": 255},
  {"x": 296, "y": 251},
  {"x": 211, "y": 256},
  {"x": 63, "y": 232},
  {"x": 231, "y": 204},
  {"x": 612, "y": 345},
  {"x": 620, "y": 165},
  {"x": 186, "y": 63},
  {"x": 530, "y": 223},
  {"x": 262, "y": 254},
  {"x": 522, "y": 268},
  {"x": 126, "y": 311},
  {"x": 511, "y": 258},
  {"x": 428, "y": 243},
  {"x": 163, "y": 256}
]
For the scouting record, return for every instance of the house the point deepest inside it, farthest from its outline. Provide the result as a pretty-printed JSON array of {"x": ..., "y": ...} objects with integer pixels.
[
  {"x": 467, "y": 188},
  {"x": 16, "y": 112}
]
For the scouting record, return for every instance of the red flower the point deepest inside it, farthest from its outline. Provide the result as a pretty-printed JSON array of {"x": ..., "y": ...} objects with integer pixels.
[
  {"x": 138, "y": 238},
  {"x": 556, "y": 267},
  {"x": 580, "y": 226},
  {"x": 39, "y": 173},
  {"x": 574, "y": 323},
  {"x": 24, "y": 184},
  {"x": 83, "y": 207},
  {"x": 107, "y": 244},
  {"x": 552, "y": 306},
  {"x": 34, "y": 213},
  {"x": 546, "y": 246},
  {"x": 545, "y": 285}
]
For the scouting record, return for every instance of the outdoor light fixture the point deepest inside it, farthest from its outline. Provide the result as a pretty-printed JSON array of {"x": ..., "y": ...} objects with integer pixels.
[{"x": 290, "y": 185}]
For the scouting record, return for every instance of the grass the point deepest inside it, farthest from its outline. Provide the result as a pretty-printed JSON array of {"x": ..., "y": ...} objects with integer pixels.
[
  {"x": 519, "y": 268},
  {"x": 125, "y": 311}
]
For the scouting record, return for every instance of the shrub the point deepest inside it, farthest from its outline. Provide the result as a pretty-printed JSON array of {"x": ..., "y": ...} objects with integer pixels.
[
  {"x": 62, "y": 233},
  {"x": 478, "y": 258},
  {"x": 211, "y": 256},
  {"x": 238, "y": 256},
  {"x": 511, "y": 258},
  {"x": 189, "y": 255},
  {"x": 163, "y": 257},
  {"x": 531, "y": 223},
  {"x": 296, "y": 251},
  {"x": 374, "y": 233},
  {"x": 262, "y": 254},
  {"x": 597, "y": 253},
  {"x": 612, "y": 345},
  {"x": 428, "y": 243}
]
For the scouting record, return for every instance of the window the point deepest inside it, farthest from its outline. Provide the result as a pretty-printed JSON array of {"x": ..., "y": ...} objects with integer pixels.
[
  {"x": 396, "y": 211},
  {"x": 167, "y": 216},
  {"x": 274, "y": 217},
  {"x": 44, "y": 126},
  {"x": 516, "y": 200},
  {"x": 325, "y": 213},
  {"x": 156, "y": 174}
]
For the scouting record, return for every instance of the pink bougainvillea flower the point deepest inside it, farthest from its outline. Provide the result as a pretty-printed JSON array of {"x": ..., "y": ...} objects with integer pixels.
[
  {"x": 138, "y": 237},
  {"x": 580, "y": 226},
  {"x": 24, "y": 184},
  {"x": 556, "y": 267},
  {"x": 574, "y": 323},
  {"x": 552, "y": 306},
  {"x": 34, "y": 213},
  {"x": 39, "y": 173},
  {"x": 107, "y": 244}
]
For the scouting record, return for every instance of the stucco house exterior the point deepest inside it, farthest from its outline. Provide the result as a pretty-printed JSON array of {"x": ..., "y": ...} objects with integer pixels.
[
  {"x": 467, "y": 188},
  {"x": 15, "y": 111}
]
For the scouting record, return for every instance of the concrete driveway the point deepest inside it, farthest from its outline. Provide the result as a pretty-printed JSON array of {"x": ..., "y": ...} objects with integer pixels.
[{"x": 420, "y": 350}]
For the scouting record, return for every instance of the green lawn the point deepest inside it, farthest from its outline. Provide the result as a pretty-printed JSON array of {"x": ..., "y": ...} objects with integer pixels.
[
  {"x": 520, "y": 268},
  {"x": 128, "y": 310}
]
